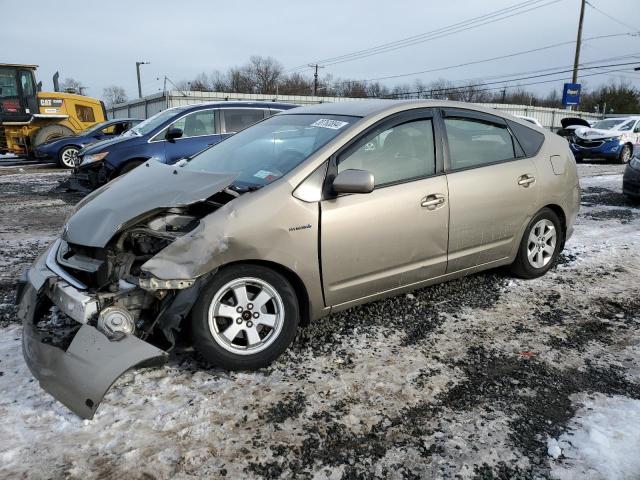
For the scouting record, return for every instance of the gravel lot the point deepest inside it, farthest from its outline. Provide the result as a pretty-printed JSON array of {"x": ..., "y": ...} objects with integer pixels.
[{"x": 485, "y": 377}]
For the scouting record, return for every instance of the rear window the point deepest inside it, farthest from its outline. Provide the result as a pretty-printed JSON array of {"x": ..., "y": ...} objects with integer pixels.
[{"x": 529, "y": 139}]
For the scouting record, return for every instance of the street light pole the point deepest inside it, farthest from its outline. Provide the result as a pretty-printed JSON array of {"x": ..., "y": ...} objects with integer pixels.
[{"x": 138, "y": 74}]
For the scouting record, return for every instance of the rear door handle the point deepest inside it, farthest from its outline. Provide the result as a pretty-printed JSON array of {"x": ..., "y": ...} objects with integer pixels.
[
  {"x": 433, "y": 201},
  {"x": 526, "y": 180}
]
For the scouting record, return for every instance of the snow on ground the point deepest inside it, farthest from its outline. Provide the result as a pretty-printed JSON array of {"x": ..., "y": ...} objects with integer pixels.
[
  {"x": 476, "y": 378},
  {"x": 602, "y": 441}
]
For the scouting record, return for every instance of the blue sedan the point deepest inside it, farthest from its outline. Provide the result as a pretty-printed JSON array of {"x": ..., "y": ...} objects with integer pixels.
[
  {"x": 168, "y": 136},
  {"x": 65, "y": 150}
]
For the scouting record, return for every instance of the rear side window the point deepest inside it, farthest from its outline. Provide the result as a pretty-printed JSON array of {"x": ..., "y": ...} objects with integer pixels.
[
  {"x": 85, "y": 114},
  {"x": 529, "y": 139},
  {"x": 474, "y": 143},
  {"x": 236, "y": 119}
]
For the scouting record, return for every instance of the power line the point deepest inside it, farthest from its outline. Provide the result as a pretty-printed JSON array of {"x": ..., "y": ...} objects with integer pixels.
[
  {"x": 462, "y": 87},
  {"x": 475, "y": 22},
  {"x": 619, "y": 22},
  {"x": 459, "y": 65}
]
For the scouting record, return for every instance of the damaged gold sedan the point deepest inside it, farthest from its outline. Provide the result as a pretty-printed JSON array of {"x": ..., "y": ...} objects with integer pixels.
[{"x": 306, "y": 213}]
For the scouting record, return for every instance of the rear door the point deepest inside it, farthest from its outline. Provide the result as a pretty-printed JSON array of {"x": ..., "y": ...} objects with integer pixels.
[
  {"x": 493, "y": 188},
  {"x": 200, "y": 129},
  {"x": 397, "y": 234}
]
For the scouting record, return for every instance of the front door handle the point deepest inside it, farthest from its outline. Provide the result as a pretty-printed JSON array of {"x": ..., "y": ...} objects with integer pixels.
[
  {"x": 433, "y": 201},
  {"x": 526, "y": 180}
]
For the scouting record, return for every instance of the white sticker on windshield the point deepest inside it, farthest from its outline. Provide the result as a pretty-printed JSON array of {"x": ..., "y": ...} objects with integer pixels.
[
  {"x": 328, "y": 123},
  {"x": 266, "y": 175}
]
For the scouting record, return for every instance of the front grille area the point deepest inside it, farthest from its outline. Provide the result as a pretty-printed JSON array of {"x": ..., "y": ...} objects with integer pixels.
[
  {"x": 588, "y": 143},
  {"x": 85, "y": 264}
]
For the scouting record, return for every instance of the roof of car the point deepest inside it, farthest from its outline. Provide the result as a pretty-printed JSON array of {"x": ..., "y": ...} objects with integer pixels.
[
  {"x": 115, "y": 120},
  {"x": 236, "y": 104},
  {"x": 365, "y": 108}
]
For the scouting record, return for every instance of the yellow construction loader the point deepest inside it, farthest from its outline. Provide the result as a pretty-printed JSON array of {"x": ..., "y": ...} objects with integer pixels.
[{"x": 29, "y": 117}]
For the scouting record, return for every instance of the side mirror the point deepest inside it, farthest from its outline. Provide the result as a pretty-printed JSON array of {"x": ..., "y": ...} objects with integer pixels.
[
  {"x": 354, "y": 181},
  {"x": 173, "y": 133}
]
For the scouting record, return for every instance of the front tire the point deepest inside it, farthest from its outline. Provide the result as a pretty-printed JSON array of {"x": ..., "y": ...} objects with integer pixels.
[
  {"x": 245, "y": 318},
  {"x": 68, "y": 157},
  {"x": 540, "y": 245},
  {"x": 625, "y": 154}
]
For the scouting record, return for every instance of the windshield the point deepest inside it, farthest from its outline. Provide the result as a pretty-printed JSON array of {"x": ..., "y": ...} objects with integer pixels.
[
  {"x": 152, "y": 123},
  {"x": 610, "y": 124},
  {"x": 270, "y": 149}
]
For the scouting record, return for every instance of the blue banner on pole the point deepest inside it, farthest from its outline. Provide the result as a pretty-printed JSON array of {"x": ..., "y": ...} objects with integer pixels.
[{"x": 571, "y": 94}]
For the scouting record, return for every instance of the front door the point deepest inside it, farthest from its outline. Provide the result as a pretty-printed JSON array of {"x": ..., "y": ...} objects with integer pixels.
[
  {"x": 397, "y": 234},
  {"x": 492, "y": 189}
]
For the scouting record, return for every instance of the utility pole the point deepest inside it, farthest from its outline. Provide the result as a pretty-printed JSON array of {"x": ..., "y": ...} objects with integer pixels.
[
  {"x": 315, "y": 78},
  {"x": 576, "y": 60},
  {"x": 138, "y": 74}
]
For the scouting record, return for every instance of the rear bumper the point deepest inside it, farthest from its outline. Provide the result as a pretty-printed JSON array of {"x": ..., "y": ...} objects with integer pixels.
[
  {"x": 631, "y": 182},
  {"x": 80, "y": 372}
]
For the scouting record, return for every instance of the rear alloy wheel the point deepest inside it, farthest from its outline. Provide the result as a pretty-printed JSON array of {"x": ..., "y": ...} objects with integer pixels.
[
  {"x": 625, "y": 154},
  {"x": 245, "y": 317},
  {"x": 540, "y": 245},
  {"x": 68, "y": 157}
]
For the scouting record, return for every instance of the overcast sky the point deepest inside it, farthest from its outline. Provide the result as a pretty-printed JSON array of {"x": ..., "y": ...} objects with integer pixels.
[{"x": 98, "y": 43}]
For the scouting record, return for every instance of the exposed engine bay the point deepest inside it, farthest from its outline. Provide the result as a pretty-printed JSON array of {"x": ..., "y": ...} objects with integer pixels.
[{"x": 128, "y": 300}]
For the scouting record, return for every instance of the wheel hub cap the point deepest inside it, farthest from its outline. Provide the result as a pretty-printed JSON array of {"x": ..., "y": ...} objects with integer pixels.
[
  {"x": 541, "y": 244},
  {"x": 246, "y": 316}
]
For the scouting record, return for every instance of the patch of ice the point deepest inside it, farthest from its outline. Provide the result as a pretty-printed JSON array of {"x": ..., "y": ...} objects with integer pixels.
[{"x": 602, "y": 441}]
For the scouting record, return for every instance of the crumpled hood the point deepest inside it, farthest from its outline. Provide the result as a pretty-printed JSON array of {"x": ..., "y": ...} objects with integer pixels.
[
  {"x": 151, "y": 186},
  {"x": 597, "y": 134}
]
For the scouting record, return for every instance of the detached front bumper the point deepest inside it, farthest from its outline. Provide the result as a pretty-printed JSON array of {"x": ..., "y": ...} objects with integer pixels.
[{"x": 80, "y": 374}]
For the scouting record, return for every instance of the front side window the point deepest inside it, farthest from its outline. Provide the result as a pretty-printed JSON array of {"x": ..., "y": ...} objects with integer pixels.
[
  {"x": 269, "y": 150},
  {"x": 627, "y": 126},
  {"x": 85, "y": 114},
  {"x": 474, "y": 142},
  {"x": 236, "y": 119},
  {"x": 197, "y": 124},
  {"x": 395, "y": 154}
]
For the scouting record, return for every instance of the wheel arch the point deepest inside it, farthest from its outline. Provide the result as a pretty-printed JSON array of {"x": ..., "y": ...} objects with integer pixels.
[
  {"x": 293, "y": 278},
  {"x": 128, "y": 161},
  {"x": 558, "y": 210}
]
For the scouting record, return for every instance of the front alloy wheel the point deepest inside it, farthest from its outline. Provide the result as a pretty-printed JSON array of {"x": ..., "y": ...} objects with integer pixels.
[
  {"x": 625, "y": 154},
  {"x": 245, "y": 317},
  {"x": 68, "y": 157}
]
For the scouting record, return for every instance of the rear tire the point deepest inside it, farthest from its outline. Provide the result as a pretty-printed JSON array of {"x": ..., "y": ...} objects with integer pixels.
[
  {"x": 68, "y": 157},
  {"x": 540, "y": 245},
  {"x": 245, "y": 317},
  {"x": 50, "y": 132}
]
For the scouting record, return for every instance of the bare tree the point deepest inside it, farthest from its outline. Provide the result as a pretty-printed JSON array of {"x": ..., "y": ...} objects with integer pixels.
[
  {"x": 71, "y": 85},
  {"x": 113, "y": 95},
  {"x": 265, "y": 72}
]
